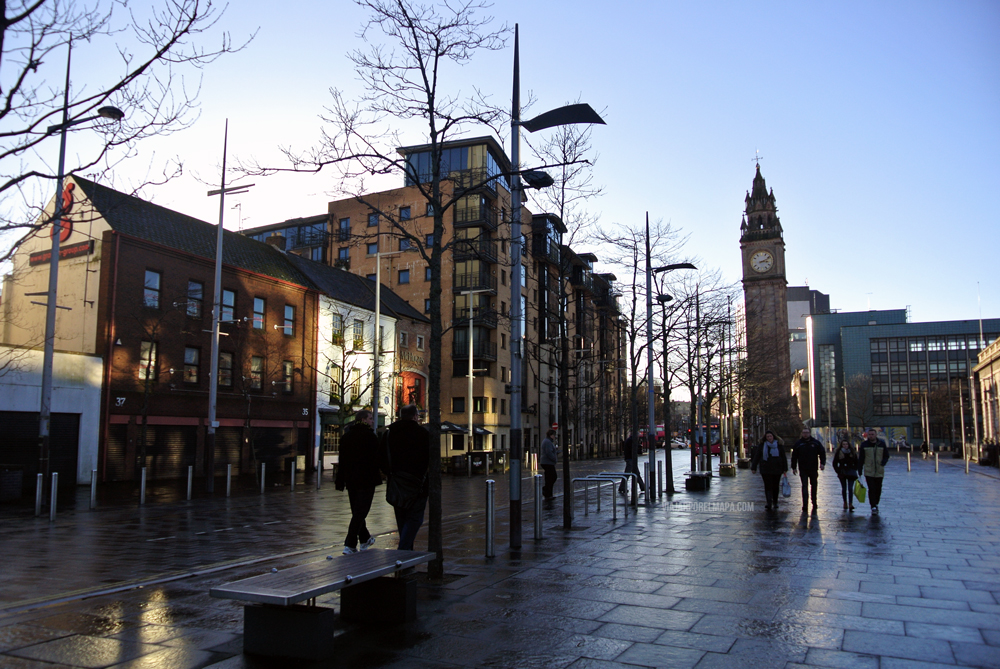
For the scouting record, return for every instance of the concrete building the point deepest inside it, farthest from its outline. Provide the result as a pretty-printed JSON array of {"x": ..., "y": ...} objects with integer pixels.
[{"x": 987, "y": 377}]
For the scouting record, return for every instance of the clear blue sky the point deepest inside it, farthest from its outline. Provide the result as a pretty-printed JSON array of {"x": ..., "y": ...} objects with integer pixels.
[{"x": 878, "y": 123}]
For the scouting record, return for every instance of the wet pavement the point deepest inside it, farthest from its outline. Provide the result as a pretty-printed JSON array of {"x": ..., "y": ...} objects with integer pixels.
[{"x": 700, "y": 580}]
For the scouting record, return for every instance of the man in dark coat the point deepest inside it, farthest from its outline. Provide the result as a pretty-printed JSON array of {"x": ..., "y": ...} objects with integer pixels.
[
  {"x": 631, "y": 464},
  {"x": 548, "y": 461},
  {"x": 406, "y": 448},
  {"x": 358, "y": 472},
  {"x": 809, "y": 457}
]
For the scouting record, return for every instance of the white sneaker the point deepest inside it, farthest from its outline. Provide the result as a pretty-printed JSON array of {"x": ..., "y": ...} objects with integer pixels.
[
  {"x": 368, "y": 544},
  {"x": 348, "y": 550}
]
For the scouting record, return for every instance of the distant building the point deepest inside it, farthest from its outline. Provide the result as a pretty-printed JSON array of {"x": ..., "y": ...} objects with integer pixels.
[{"x": 987, "y": 374}]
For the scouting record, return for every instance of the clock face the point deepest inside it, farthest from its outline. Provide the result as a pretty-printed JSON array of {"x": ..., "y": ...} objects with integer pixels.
[{"x": 761, "y": 261}]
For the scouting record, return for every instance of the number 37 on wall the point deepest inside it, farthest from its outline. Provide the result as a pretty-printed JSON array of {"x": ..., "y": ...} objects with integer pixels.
[{"x": 119, "y": 401}]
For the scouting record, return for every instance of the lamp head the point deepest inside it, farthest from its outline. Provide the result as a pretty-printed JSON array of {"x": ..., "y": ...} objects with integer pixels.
[
  {"x": 663, "y": 299},
  {"x": 113, "y": 113}
]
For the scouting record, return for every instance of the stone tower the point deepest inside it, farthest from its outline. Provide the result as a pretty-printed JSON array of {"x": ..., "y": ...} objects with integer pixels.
[{"x": 764, "y": 289}]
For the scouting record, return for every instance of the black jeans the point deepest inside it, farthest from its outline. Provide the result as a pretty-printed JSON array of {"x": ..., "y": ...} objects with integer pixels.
[
  {"x": 772, "y": 482},
  {"x": 550, "y": 480},
  {"x": 360, "y": 498},
  {"x": 874, "y": 489},
  {"x": 847, "y": 489},
  {"x": 408, "y": 522},
  {"x": 808, "y": 478},
  {"x": 630, "y": 469}
]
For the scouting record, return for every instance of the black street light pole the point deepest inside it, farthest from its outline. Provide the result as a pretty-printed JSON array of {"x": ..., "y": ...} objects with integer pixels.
[{"x": 578, "y": 113}]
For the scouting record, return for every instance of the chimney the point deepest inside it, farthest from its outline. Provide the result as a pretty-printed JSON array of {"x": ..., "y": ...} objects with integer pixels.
[{"x": 277, "y": 240}]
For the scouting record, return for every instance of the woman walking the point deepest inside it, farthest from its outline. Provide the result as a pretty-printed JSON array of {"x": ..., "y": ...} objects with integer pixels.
[
  {"x": 770, "y": 457},
  {"x": 845, "y": 463}
]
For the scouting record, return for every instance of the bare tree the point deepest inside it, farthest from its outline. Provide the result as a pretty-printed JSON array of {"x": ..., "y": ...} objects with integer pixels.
[
  {"x": 154, "y": 44},
  {"x": 860, "y": 401},
  {"x": 412, "y": 48}
]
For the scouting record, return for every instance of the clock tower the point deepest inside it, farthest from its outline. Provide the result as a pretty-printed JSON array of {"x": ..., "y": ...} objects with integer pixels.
[{"x": 766, "y": 301}]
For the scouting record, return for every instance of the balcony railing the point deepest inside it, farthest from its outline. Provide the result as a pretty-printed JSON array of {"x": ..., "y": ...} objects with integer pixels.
[
  {"x": 475, "y": 281},
  {"x": 474, "y": 216},
  {"x": 481, "y": 350},
  {"x": 476, "y": 249},
  {"x": 474, "y": 179},
  {"x": 484, "y": 317},
  {"x": 342, "y": 263}
]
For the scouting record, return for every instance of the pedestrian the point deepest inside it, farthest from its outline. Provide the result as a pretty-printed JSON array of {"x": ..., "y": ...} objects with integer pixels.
[
  {"x": 872, "y": 457},
  {"x": 548, "y": 462},
  {"x": 770, "y": 457},
  {"x": 809, "y": 457},
  {"x": 845, "y": 463},
  {"x": 358, "y": 472},
  {"x": 631, "y": 465},
  {"x": 405, "y": 453}
]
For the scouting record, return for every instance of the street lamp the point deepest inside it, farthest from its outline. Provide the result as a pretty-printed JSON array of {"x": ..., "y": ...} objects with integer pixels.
[
  {"x": 650, "y": 411},
  {"x": 377, "y": 338},
  {"x": 470, "y": 437},
  {"x": 567, "y": 115},
  {"x": 48, "y": 357},
  {"x": 669, "y": 464}
]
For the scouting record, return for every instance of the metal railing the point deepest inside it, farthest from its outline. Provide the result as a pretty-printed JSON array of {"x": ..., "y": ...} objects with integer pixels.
[
  {"x": 475, "y": 281},
  {"x": 479, "y": 215},
  {"x": 484, "y": 317},
  {"x": 476, "y": 249},
  {"x": 483, "y": 350}
]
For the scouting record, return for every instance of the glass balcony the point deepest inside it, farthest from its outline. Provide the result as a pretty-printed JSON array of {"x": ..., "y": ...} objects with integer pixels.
[
  {"x": 475, "y": 281},
  {"x": 481, "y": 350},
  {"x": 475, "y": 216},
  {"x": 484, "y": 317},
  {"x": 476, "y": 249}
]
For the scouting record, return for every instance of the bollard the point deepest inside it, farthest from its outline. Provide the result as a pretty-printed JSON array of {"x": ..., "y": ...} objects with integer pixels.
[
  {"x": 93, "y": 488},
  {"x": 229, "y": 479},
  {"x": 935, "y": 462},
  {"x": 650, "y": 485},
  {"x": 52, "y": 499},
  {"x": 190, "y": 480},
  {"x": 490, "y": 517},
  {"x": 262, "y": 468},
  {"x": 966, "y": 465},
  {"x": 38, "y": 495},
  {"x": 907, "y": 462},
  {"x": 319, "y": 472},
  {"x": 586, "y": 497},
  {"x": 292, "y": 488},
  {"x": 659, "y": 478},
  {"x": 142, "y": 487},
  {"x": 635, "y": 491},
  {"x": 538, "y": 505}
]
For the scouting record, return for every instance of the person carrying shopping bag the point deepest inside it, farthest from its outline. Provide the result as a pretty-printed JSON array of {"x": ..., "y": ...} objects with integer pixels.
[
  {"x": 845, "y": 463},
  {"x": 770, "y": 457}
]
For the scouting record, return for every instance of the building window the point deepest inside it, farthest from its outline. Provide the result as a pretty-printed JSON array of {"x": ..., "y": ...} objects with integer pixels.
[
  {"x": 258, "y": 313},
  {"x": 405, "y": 244},
  {"x": 256, "y": 372},
  {"x": 503, "y": 340},
  {"x": 503, "y": 277},
  {"x": 429, "y": 241},
  {"x": 286, "y": 376},
  {"x": 371, "y": 277},
  {"x": 355, "y": 383},
  {"x": 336, "y": 381},
  {"x": 228, "y": 306},
  {"x": 478, "y": 405},
  {"x": 427, "y": 306},
  {"x": 503, "y": 373},
  {"x": 225, "y": 369},
  {"x": 404, "y": 339},
  {"x": 372, "y": 248},
  {"x": 372, "y": 220},
  {"x": 430, "y": 209},
  {"x": 427, "y": 274},
  {"x": 359, "y": 334},
  {"x": 191, "y": 358},
  {"x": 420, "y": 342},
  {"x": 345, "y": 229},
  {"x": 404, "y": 213},
  {"x": 493, "y": 405},
  {"x": 404, "y": 276},
  {"x": 289, "y": 326},
  {"x": 151, "y": 293},
  {"x": 458, "y": 405},
  {"x": 147, "y": 360},
  {"x": 337, "y": 328},
  {"x": 196, "y": 297},
  {"x": 344, "y": 258},
  {"x": 503, "y": 406}
]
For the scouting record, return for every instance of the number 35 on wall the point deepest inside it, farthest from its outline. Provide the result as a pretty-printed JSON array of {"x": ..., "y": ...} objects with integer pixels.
[{"x": 305, "y": 412}]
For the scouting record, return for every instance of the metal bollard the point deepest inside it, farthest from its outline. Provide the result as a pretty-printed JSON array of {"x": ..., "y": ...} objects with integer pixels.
[
  {"x": 292, "y": 488},
  {"x": 229, "y": 479},
  {"x": 142, "y": 487},
  {"x": 262, "y": 468},
  {"x": 190, "y": 480},
  {"x": 39, "y": 484},
  {"x": 935, "y": 463},
  {"x": 93, "y": 488},
  {"x": 538, "y": 504},
  {"x": 907, "y": 462},
  {"x": 491, "y": 497},
  {"x": 319, "y": 472},
  {"x": 659, "y": 478},
  {"x": 635, "y": 491},
  {"x": 650, "y": 485},
  {"x": 967, "y": 465},
  {"x": 52, "y": 498}
]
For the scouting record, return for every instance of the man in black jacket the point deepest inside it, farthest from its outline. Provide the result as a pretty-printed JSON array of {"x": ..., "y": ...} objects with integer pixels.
[
  {"x": 809, "y": 457},
  {"x": 358, "y": 472},
  {"x": 631, "y": 464},
  {"x": 406, "y": 448}
]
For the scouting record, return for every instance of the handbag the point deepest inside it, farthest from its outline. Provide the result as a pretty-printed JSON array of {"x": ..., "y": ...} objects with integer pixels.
[
  {"x": 851, "y": 473},
  {"x": 786, "y": 487},
  {"x": 860, "y": 491}
]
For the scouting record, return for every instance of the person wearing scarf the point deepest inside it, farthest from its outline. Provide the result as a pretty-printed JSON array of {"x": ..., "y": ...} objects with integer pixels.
[{"x": 769, "y": 456}]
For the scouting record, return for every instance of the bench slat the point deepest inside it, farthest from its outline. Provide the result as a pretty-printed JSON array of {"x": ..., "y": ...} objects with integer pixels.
[{"x": 313, "y": 579}]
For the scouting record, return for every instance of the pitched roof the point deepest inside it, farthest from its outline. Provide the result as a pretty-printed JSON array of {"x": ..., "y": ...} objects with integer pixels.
[
  {"x": 136, "y": 217},
  {"x": 353, "y": 289}
]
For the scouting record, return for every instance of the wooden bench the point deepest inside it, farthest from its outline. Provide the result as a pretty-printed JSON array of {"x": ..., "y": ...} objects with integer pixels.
[{"x": 277, "y": 623}]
